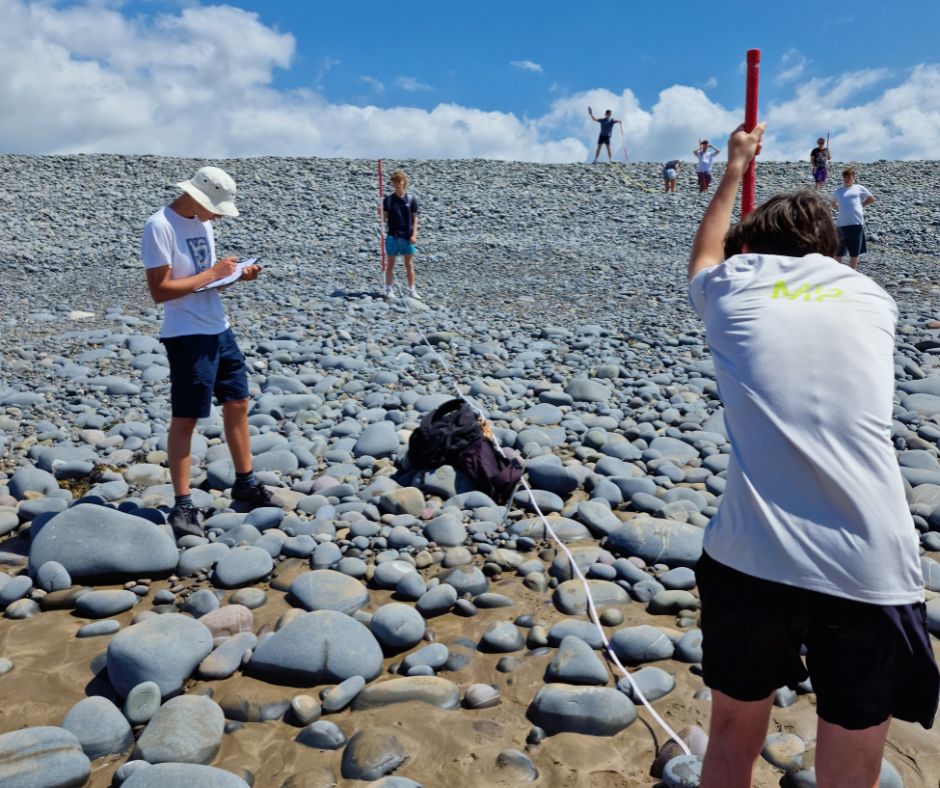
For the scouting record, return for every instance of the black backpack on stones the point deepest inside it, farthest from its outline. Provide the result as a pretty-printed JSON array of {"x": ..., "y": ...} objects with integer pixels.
[{"x": 451, "y": 435}]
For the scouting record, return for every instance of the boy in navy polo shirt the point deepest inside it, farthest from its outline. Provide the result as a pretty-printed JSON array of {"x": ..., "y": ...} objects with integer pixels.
[
  {"x": 607, "y": 128},
  {"x": 400, "y": 214}
]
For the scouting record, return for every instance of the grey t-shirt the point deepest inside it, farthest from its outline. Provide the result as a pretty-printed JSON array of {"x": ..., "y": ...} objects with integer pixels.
[
  {"x": 850, "y": 199},
  {"x": 803, "y": 351}
]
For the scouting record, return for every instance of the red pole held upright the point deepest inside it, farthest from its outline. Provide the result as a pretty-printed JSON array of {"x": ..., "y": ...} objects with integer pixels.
[
  {"x": 750, "y": 121},
  {"x": 381, "y": 202}
]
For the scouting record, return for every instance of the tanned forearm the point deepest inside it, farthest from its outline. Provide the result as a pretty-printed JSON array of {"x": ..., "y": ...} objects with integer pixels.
[{"x": 708, "y": 247}]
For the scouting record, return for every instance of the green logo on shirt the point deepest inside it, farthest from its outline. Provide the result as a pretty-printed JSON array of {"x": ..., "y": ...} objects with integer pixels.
[{"x": 807, "y": 292}]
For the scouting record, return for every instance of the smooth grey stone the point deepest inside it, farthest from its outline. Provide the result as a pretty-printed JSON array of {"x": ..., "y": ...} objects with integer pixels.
[
  {"x": 323, "y": 589},
  {"x": 565, "y": 529},
  {"x": 295, "y": 546},
  {"x": 671, "y": 602},
  {"x": 164, "y": 597},
  {"x": 427, "y": 689},
  {"x": 42, "y": 757},
  {"x": 353, "y": 567},
  {"x": 411, "y": 586},
  {"x": 185, "y": 729},
  {"x": 371, "y": 754},
  {"x": 684, "y": 771},
  {"x": 99, "y": 628},
  {"x": 142, "y": 703},
  {"x": 22, "y": 609},
  {"x": 502, "y": 637},
  {"x": 598, "y": 518},
  {"x": 305, "y": 709},
  {"x": 101, "y": 604},
  {"x": 582, "y": 390},
  {"x": 378, "y": 440},
  {"x": 785, "y": 697},
  {"x": 226, "y": 659},
  {"x": 490, "y": 600},
  {"x": 94, "y": 541},
  {"x": 592, "y": 711},
  {"x": 646, "y": 589},
  {"x": 29, "y": 510},
  {"x": 465, "y": 579},
  {"x": 481, "y": 696},
  {"x": 517, "y": 766},
  {"x": 439, "y": 600},
  {"x": 653, "y": 682},
  {"x": 570, "y": 597},
  {"x": 445, "y": 531},
  {"x": 659, "y": 541},
  {"x": 99, "y": 726},
  {"x": 434, "y": 655},
  {"x": 343, "y": 694},
  {"x": 322, "y": 647},
  {"x": 388, "y": 574},
  {"x": 242, "y": 566},
  {"x": 31, "y": 479},
  {"x": 782, "y": 749},
  {"x": 397, "y": 627},
  {"x": 322, "y": 735},
  {"x": 585, "y": 630},
  {"x": 252, "y": 598},
  {"x": 689, "y": 647},
  {"x": 201, "y": 602},
  {"x": 635, "y": 645},
  {"x": 556, "y": 479},
  {"x": 680, "y": 579},
  {"x": 125, "y": 770},
  {"x": 576, "y": 663},
  {"x": 14, "y": 589},
  {"x": 190, "y": 775},
  {"x": 165, "y": 650}
]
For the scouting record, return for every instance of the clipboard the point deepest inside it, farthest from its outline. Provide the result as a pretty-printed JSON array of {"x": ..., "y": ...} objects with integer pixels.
[{"x": 242, "y": 264}]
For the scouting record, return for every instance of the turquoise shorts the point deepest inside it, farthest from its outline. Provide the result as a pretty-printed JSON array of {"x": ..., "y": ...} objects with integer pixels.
[{"x": 396, "y": 246}]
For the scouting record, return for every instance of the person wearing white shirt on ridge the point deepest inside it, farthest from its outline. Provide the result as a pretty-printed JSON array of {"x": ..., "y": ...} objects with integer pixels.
[
  {"x": 849, "y": 200},
  {"x": 813, "y": 544},
  {"x": 705, "y": 158}
]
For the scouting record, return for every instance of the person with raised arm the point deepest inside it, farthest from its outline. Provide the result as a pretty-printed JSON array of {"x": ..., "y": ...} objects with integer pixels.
[
  {"x": 813, "y": 544},
  {"x": 705, "y": 154},
  {"x": 607, "y": 128},
  {"x": 178, "y": 250}
]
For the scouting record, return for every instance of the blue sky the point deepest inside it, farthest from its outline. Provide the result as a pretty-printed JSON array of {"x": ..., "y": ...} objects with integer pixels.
[{"x": 481, "y": 73}]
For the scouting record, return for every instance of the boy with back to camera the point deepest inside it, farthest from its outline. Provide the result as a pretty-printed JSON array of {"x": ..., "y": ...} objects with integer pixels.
[
  {"x": 177, "y": 250},
  {"x": 813, "y": 543}
]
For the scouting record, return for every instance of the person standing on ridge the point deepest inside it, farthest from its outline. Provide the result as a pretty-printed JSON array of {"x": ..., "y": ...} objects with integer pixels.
[
  {"x": 705, "y": 157},
  {"x": 177, "y": 250},
  {"x": 849, "y": 200},
  {"x": 819, "y": 157},
  {"x": 815, "y": 548},
  {"x": 400, "y": 215},
  {"x": 671, "y": 174},
  {"x": 607, "y": 128}
]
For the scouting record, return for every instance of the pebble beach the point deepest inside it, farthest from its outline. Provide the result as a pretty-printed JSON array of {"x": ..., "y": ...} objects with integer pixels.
[{"x": 389, "y": 626}]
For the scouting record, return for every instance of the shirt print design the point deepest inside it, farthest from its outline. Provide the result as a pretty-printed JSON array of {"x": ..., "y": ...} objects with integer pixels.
[{"x": 199, "y": 251}]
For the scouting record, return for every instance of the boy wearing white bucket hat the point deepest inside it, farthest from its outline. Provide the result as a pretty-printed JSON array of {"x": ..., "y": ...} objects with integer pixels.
[{"x": 178, "y": 250}]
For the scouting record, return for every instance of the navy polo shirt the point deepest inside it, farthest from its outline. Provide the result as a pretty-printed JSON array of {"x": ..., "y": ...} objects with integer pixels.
[{"x": 400, "y": 210}]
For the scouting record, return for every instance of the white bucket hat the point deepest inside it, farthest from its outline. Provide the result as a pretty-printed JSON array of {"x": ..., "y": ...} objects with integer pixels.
[{"x": 213, "y": 189}]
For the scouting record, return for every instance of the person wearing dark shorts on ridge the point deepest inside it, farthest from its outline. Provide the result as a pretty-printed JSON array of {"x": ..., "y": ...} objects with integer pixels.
[
  {"x": 607, "y": 128},
  {"x": 849, "y": 200},
  {"x": 671, "y": 174},
  {"x": 178, "y": 249},
  {"x": 813, "y": 544},
  {"x": 400, "y": 215},
  {"x": 819, "y": 157},
  {"x": 705, "y": 158}
]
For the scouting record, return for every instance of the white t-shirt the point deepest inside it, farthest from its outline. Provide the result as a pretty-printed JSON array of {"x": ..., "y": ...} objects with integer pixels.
[
  {"x": 705, "y": 160},
  {"x": 850, "y": 199},
  {"x": 188, "y": 247},
  {"x": 803, "y": 351}
]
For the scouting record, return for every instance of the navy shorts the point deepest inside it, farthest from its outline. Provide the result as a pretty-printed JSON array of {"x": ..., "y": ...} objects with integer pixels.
[
  {"x": 851, "y": 240},
  {"x": 202, "y": 365},
  {"x": 705, "y": 179},
  {"x": 867, "y": 662},
  {"x": 604, "y": 139}
]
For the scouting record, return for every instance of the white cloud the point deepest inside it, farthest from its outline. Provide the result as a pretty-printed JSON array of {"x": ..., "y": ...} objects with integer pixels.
[
  {"x": 712, "y": 83},
  {"x": 793, "y": 64},
  {"x": 526, "y": 65},
  {"x": 410, "y": 83},
  {"x": 198, "y": 83},
  {"x": 376, "y": 84}
]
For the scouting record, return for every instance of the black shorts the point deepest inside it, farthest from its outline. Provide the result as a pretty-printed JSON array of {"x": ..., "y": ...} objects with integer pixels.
[
  {"x": 203, "y": 364},
  {"x": 851, "y": 240},
  {"x": 604, "y": 139},
  {"x": 867, "y": 662}
]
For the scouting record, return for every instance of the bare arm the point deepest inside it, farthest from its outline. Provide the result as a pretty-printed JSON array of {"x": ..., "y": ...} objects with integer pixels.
[
  {"x": 835, "y": 205},
  {"x": 163, "y": 289},
  {"x": 414, "y": 227},
  {"x": 868, "y": 201},
  {"x": 708, "y": 247}
]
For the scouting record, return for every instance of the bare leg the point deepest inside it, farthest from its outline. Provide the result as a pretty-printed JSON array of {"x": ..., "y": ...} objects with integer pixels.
[
  {"x": 738, "y": 731},
  {"x": 235, "y": 421},
  {"x": 410, "y": 269},
  {"x": 609, "y": 154},
  {"x": 178, "y": 444},
  {"x": 672, "y": 185},
  {"x": 853, "y": 261},
  {"x": 667, "y": 187},
  {"x": 597, "y": 152},
  {"x": 390, "y": 269},
  {"x": 849, "y": 759}
]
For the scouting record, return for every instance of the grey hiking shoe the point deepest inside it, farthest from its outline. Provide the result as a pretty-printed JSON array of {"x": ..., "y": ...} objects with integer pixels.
[
  {"x": 257, "y": 495},
  {"x": 184, "y": 521}
]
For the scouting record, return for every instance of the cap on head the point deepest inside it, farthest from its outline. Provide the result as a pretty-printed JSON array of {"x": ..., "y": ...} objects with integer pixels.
[{"x": 213, "y": 189}]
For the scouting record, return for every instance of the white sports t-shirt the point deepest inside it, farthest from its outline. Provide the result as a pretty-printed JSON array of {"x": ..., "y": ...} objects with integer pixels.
[
  {"x": 188, "y": 247},
  {"x": 803, "y": 351},
  {"x": 850, "y": 199},
  {"x": 705, "y": 161}
]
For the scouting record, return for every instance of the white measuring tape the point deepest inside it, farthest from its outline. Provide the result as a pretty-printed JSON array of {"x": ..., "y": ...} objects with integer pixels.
[{"x": 548, "y": 528}]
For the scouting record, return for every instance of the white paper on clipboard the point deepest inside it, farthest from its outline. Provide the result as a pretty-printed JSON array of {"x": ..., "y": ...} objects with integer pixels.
[{"x": 241, "y": 264}]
